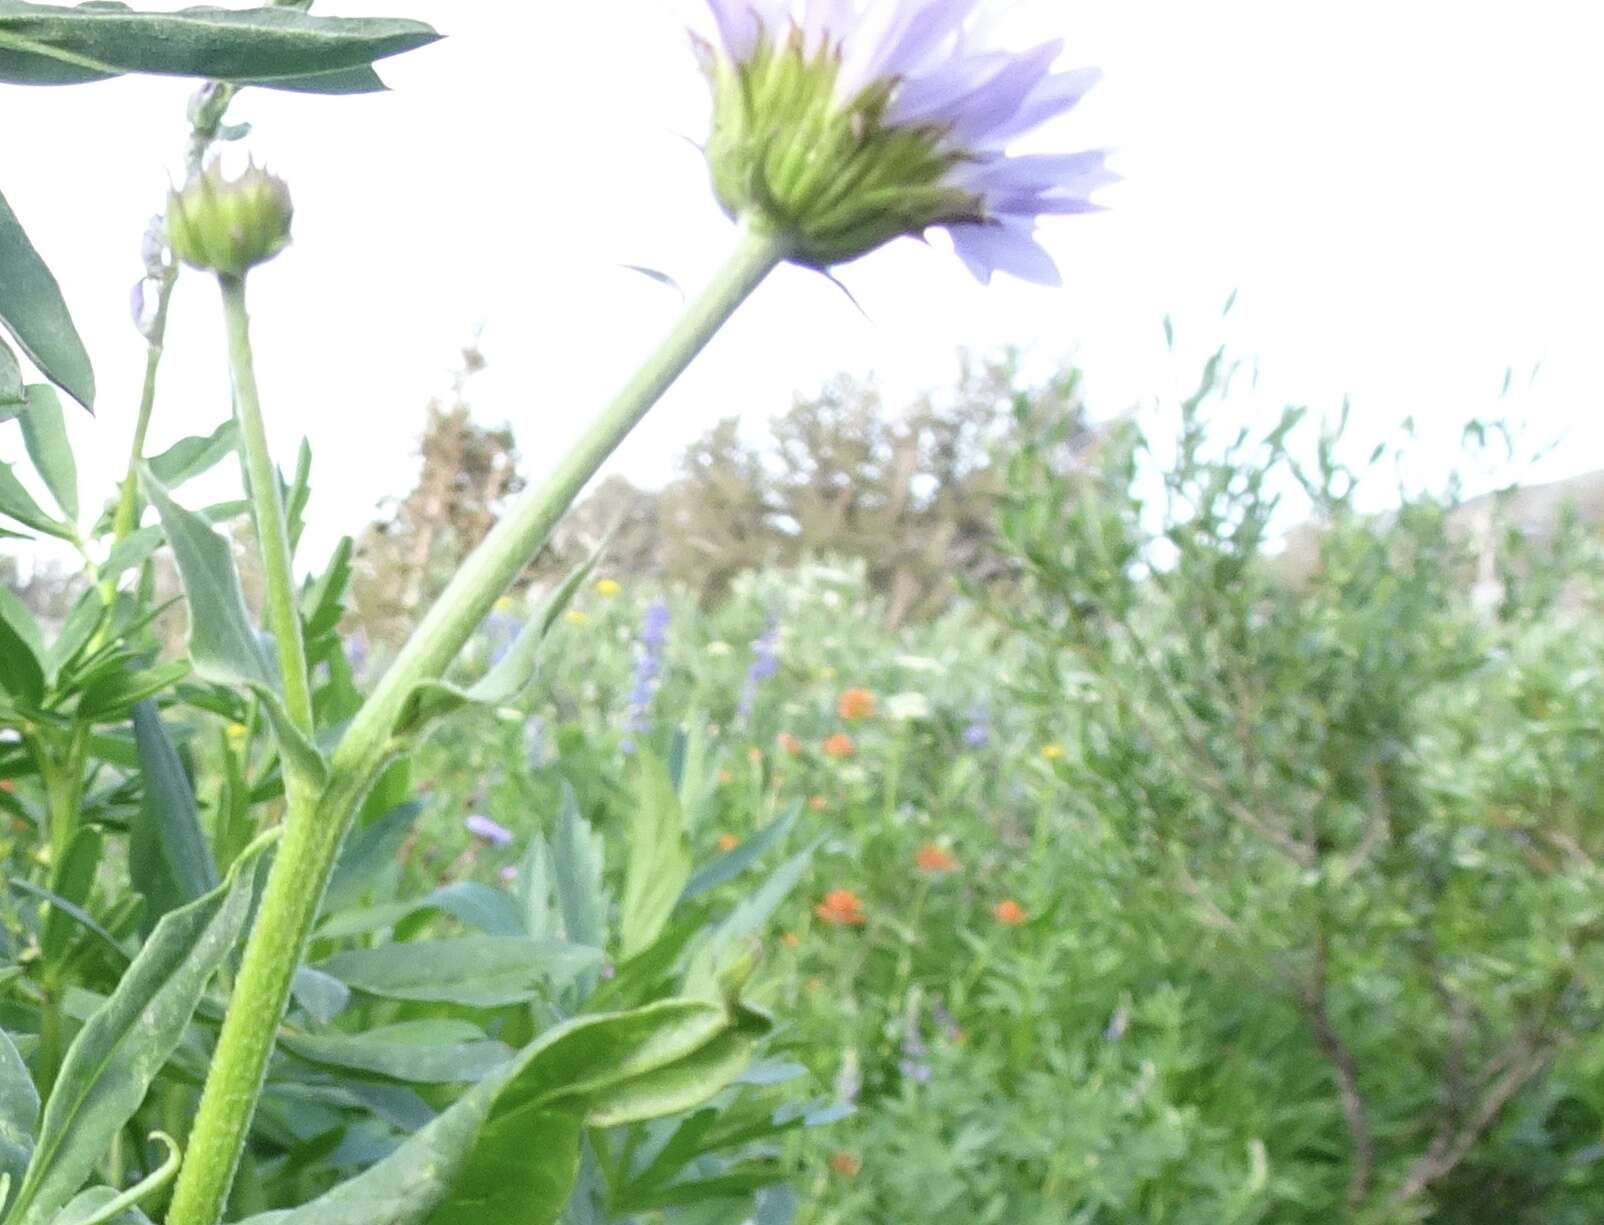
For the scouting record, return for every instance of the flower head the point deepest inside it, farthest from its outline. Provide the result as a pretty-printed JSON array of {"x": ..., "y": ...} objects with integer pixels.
[
  {"x": 1052, "y": 752},
  {"x": 842, "y": 124},
  {"x": 855, "y": 704},
  {"x": 728, "y": 842},
  {"x": 935, "y": 859},
  {"x": 229, "y": 225},
  {"x": 1009, "y": 912},
  {"x": 839, "y": 746},
  {"x": 481, "y": 826},
  {"x": 789, "y": 744},
  {"x": 841, "y": 908},
  {"x": 608, "y": 588}
]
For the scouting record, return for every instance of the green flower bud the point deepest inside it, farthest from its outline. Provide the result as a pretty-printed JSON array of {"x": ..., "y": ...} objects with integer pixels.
[
  {"x": 229, "y": 226},
  {"x": 832, "y": 176}
]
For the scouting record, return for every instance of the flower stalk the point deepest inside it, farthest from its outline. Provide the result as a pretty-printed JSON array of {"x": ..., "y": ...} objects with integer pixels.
[{"x": 312, "y": 840}]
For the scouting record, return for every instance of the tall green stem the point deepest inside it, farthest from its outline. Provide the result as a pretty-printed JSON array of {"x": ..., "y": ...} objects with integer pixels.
[
  {"x": 300, "y": 874},
  {"x": 267, "y": 509},
  {"x": 128, "y": 504}
]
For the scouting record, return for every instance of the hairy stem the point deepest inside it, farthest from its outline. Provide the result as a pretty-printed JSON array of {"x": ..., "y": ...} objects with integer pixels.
[
  {"x": 267, "y": 510},
  {"x": 300, "y": 874}
]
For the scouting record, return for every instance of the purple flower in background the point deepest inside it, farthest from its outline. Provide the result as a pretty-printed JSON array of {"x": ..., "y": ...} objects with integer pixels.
[
  {"x": 502, "y": 628},
  {"x": 915, "y": 1063},
  {"x": 977, "y": 732},
  {"x": 842, "y": 124},
  {"x": 648, "y": 673},
  {"x": 765, "y": 663},
  {"x": 356, "y": 652},
  {"x": 481, "y": 826}
]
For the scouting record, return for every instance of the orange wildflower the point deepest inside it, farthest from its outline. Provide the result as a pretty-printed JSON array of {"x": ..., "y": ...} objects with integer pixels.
[
  {"x": 725, "y": 777},
  {"x": 818, "y": 803},
  {"x": 789, "y": 743},
  {"x": 7, "y": 784},
  {"x": 754, "y": 755},
  {"x": 728, "y": 842},
  {"x": 839, "y": 746},
  {"x": 1010, "y": 912},
  {"x": 856, "y": 704},
  {"x": 934, "y": 858},
  {"x": 846, "y": 1164},
  {"x": 841, "y": 908},
  {"x": 791, "y": 940}
]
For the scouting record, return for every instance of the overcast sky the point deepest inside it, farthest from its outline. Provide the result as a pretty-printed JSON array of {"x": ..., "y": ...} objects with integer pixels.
[{"x": 1405, "y": 197}]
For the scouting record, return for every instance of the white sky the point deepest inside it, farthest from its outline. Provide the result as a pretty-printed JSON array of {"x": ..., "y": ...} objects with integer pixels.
[{"x": 1400, "y": 193}]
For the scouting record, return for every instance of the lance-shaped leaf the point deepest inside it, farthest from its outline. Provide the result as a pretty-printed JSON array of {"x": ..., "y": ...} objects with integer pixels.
[
  {"x": 435, "y": 1051},
  {"x": 659, "y": 862},
  {"x": 31, "y": 305},
  {"x": 512, "y": 675},
  {"x": 222, "y": 642},
  {"x": 168, "y": 858},
  {"x": 55, "y": 45},
  {"x": 19, "y": 1113},
  {"x": 12, "y": 395},
  {"x": 508, "y": 1151},
  {"x": 22, "y": 648},
  {"x": 122, "y": 1047},
  {"x": 44, "y": 432},
  {"x": 483, "y": 971},
  {"x": 17, "y": 503}
]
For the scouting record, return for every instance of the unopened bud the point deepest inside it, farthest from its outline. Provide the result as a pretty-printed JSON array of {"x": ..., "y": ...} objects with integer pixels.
[{"x": 229, "y": 226}]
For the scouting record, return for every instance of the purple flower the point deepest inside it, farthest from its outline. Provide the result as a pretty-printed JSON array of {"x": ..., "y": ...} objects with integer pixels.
[
  {"x": 842, "y": 124},
  {"x": 977, "y": 732},
  {"x": 481, "y": 826},
  {"x": 648, "y": 674},
  {"x": 765, "y": 663},
  {"x": 915, "y": 1062},
  {"x": 501, "y": 629}
]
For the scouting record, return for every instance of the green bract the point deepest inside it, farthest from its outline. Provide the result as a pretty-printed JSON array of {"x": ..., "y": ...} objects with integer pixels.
[
  {"x": 833, "y": 179},
  {"x": 229, "y": 226}
]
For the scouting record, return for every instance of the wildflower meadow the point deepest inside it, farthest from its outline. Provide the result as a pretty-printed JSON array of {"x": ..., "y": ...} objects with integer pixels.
[{"x": 1058, "y": 832}]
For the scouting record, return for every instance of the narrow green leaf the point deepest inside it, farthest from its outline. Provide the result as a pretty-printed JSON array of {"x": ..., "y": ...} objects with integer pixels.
[
  {"x": 108, "y": 1206},
  {"x": 429, "y": 1052},
  {"x": 659, "y": 862},
  {"x": 71, "y": 879},
  {"x": 17, "y": 503},
  {"x": 19, "y": 1113},
  {"x": 508, "y": 1151},
  {"x": 222, "y": 642},
  {"x": 111, "y": 697},
  {"x": 31, "y": 308},
  {"x": 134, "y": 549},
  {"x": 44, "y": 432},
  {"x": 738, "y": 859},
  {"x": 45, "y": 44},
  {"x": 293, "y": 744},
  {"x": 482, "y": 971},
  {"x": 168, "y": 858},
  {"x": 22, "y": 676},
  {"x": 479, "y": 906},
  {"x": 578, "y": 866},
  {"x": 368, "y": 854},
  {"x": 12, "y": 395},
  {"x": 117, "y": 1054},
  {"x": 513, "y": 674},
  {"x": 83, "y": 619},
  {"x": 323, "y": 996},
  {"x": 748, "y": 919},
  {"x": 189, "y": 457}
]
